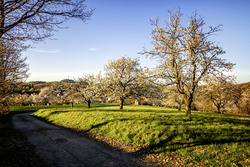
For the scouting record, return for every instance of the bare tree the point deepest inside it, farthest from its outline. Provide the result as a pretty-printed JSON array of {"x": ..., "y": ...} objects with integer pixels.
[
  {"x": 186, "y": 56},
  {"x": 12, "y": 66},
  {"x": 48, "y": 96},
  {"x": 173, "y": 97},
  {"x": 88, "y": 87},
  {"x": 36, "y": 99},
  {"x": 220, "y": 92},
  {"x": 13, "y": 69},
  {"x": 244, "y": 102},
  {"x": 122, "y": 78},
  {"x": 37, "y": 19},
  {"x": 71, "y": 96}
]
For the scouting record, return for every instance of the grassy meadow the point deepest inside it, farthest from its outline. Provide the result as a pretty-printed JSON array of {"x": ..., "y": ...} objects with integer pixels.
[
  {"x": 17, "y": 109},
  {"x": 162, "y": 135}
]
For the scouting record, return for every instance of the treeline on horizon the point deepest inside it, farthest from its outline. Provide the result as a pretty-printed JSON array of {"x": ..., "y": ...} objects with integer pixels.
[{"x": 34, "y": 93}]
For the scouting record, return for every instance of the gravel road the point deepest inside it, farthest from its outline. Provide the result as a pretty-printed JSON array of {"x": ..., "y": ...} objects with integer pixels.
[{"x": 60, "y": 147}]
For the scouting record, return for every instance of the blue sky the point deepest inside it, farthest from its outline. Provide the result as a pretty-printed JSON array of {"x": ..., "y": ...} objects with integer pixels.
[{"x": 122, "y": 27}]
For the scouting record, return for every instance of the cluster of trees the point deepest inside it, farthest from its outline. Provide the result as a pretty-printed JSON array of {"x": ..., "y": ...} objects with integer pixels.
[
  {"x": 33, "y": 20},
  {"x": 189, "y": 67},
  {"x": 125, "y": 81}
]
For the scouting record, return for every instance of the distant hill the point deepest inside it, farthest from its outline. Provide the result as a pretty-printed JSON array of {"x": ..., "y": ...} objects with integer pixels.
[{"x": 244, "y": 86}]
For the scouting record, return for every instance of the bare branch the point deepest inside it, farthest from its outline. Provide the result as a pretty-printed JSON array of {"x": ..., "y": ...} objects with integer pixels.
[{"x": 37, "y": 19}]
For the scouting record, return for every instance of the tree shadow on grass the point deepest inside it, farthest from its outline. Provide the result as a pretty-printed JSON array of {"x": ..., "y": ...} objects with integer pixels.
[
  {"x": 54, "y": 113},
  {"x": 203, "y": 143},
  {"x": 169, "y": 145},
  {"x": 105, "y": 123},
  {"x": 223, "y": 120},
  {"x": 100, "y": 106}
]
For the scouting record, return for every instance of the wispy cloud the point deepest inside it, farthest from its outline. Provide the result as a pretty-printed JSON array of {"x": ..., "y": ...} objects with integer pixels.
[
  {"x": 45, "y": 51},
  {"x": 93, "y": 49}
]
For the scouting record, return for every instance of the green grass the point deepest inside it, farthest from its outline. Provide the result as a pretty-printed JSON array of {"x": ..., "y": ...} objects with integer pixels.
[
  {"x": 35, "y": 108},
  {"x": 164, "y": 135}
]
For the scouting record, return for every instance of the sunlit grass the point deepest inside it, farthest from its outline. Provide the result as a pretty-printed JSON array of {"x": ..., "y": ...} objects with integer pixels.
[
  {"x": 35, "y": 108},
  {"x": 206, "y": 139}
]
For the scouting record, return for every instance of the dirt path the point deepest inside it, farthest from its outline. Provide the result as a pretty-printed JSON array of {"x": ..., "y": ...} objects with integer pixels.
[{"x": 61, "y": 147}]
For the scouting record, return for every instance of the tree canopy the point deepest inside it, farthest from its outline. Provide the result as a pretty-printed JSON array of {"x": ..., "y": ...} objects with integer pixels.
[
  {"x": 123, "y": 77},
  {"x": 88, "y": 87},
  {"x": 186, "y": 55}
]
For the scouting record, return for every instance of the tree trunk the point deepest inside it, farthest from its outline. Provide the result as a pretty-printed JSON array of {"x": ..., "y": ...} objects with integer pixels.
[
  {"x": 89, "y": 102},
  {"x": 179, "y": 108},
  {"x": 188, "y": 102},
  {"x": 72, "y": 105},
  {"x": 218, "y": 109},
  {"x": 121, "y": 103}
]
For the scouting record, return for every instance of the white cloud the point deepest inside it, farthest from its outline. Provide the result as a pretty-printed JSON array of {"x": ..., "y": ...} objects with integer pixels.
[
  {"x": 45, "y": 51},
  {"x": 93, "y": 49},
  {"x": 53, "y": 76}
]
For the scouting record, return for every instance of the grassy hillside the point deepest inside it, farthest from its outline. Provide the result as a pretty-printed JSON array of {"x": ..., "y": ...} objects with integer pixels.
[
  {"x": 35, "y": 108},
  {"x": 163, "y": 135}
]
